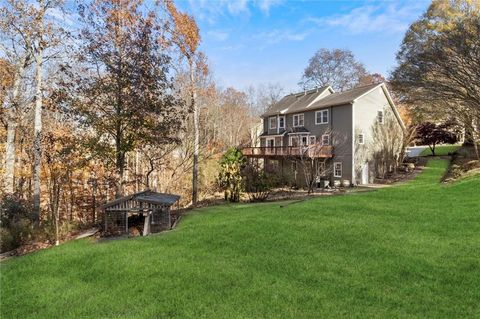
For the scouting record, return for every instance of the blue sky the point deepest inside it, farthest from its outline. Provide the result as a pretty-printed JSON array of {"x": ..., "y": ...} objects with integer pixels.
[{"x": 270, "y": 41}]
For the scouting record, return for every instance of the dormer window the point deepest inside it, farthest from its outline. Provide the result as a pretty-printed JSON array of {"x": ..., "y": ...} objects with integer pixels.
[
  {"x": 380, "y": 117},
  {"x": 281, "y": 122},
  {"x": 272, "y": 123},
  {"x": 298, "y": 120}
]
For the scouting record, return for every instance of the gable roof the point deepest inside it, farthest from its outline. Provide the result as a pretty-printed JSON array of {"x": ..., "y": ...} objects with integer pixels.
[
  {"x": 146, "y": 196},
  {"x": 296, "y": 101},
  {"x": 345, "y": 97}
]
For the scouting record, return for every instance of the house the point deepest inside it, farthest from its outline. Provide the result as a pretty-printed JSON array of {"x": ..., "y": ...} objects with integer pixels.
[{"x": 343, "y": 132}]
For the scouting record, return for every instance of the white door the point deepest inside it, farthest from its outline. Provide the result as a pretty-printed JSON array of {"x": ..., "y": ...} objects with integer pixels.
[{"x": 365, "y": 174}]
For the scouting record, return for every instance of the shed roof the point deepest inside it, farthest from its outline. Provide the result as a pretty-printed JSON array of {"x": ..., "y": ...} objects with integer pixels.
[{"x": 146, "y": 196}]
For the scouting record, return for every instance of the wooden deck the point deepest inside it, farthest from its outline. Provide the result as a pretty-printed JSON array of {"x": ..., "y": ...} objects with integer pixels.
[{"x": 286, "y": 151}]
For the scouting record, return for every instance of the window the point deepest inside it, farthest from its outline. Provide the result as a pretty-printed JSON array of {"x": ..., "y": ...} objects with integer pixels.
[
  {"x": 298, "y": 120},
  {"x": 270, "y": 142},
  {"x": 337, "y": 169},
  {"x": 312, "y": 139},
  {"x": 380, "y": 117},
  {"x": 326, "y": 139},
  {"x": 273, "y": 122},
  {"x": 281, "y": 122},
  {"x": 321, "y": 117},
  {"x": 304, "y": 140},
  {"x": 361, "y": 139}
]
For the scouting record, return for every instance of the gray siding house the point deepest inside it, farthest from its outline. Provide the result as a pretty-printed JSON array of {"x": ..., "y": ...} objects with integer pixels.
[{"x": 332, "y": 128}]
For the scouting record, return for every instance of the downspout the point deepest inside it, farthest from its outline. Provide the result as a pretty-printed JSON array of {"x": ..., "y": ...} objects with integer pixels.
[{"x": 353, "y": 181}]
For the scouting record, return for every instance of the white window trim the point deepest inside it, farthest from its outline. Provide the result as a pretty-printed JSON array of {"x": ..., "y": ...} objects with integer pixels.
[
  {"x": 270, "y": 123},
  {"x": 328, "y": 139},
  {"x": 310, "y": 138},
  {"x": 362, "y": 140},
  {"x": 298, "y": 116},
  {"x": 321, "y": 116},
  {"x": 383, "y": 116},
  {"x": 335, "y": 169},
  {"x": 278, "y": 124}
]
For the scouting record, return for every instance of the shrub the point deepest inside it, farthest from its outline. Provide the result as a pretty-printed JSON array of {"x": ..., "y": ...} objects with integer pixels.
[
  {"x": 16, "y": 222},
  {"x": 229, "y": 178},
  {"x": 257, "y": 183}
]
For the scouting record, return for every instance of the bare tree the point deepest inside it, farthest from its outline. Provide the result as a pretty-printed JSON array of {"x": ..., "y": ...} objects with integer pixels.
[
  {"x": 387, "y": 144},
  {"x": 18, "y": 59},
  {"x": 438, "y": 69},
  {"x": 186, "y": 36},
  {"x": 336, "y": 67},
  {"x": 38, "y": 34},
  {"x": 263, "y": 96}
]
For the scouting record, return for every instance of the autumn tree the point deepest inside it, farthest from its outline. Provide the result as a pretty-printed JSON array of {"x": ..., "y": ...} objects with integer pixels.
[
  {"x": 123, "y": 91},
  {"x": 13, "y": 68},
  {"x": 335, "y": 67},
  {"x": 185, "y": 35},
  {"x": 33, "y": 33},
  {"x": 438, "y": 70}
]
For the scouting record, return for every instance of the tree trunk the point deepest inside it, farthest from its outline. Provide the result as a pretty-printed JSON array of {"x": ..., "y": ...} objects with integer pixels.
[
  {"x": 37, "y": 143},
  {"x": 196, "y": 130},
  {"x": 10, "y": 155},
  {"x": 11, "y": 129}
]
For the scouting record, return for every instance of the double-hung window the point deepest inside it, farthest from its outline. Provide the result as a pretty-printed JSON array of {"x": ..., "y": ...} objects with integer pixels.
[
  {"x": 272, "y": 122},
  {"x": 337, "y": 169},
  {"x": 321, "y": 117},
  {"x": 312, "y": 139},
  {"x": 326, "y": 139},
  {"x": 281, "y": 122},
  {"x": 298, "y": 120}
]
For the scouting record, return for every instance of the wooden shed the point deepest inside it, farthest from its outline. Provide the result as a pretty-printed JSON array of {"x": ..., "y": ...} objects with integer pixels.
[{"x": 142, "y": 213}]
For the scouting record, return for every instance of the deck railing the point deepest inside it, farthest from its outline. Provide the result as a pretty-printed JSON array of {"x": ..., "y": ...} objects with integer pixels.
[{"x": 295, "y": 151}]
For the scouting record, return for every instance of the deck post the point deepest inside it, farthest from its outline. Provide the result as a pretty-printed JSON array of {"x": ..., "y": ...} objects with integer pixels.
[{"x": 126, "y": 222}]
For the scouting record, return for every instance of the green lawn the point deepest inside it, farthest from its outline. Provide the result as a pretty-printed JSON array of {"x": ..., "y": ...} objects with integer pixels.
[
  {"x": 411, "y": 251},
  {"x": 440, "y": 150}
]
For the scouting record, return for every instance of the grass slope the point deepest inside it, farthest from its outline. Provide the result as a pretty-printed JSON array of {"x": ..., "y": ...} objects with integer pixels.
[
  {"x": 441, "y": 150},
  {"x": 411, "y": 251}
]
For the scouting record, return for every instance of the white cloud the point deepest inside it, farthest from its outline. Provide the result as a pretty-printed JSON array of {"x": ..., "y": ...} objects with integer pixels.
[
  {"x": 237, "y": 6},
  {"x": 218, "y": 35},
  {"x": 209, "y": 10},
  {"x": 265, "y": 5},
  {"x": 369, "y": 18},
  {"x": 277, "y": 36}
]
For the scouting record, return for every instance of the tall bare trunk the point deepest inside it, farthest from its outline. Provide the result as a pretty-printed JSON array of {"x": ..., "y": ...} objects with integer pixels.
[
  {"x": 10, "y": 154},
  {"x": 11, "y": 129},
  {"x": 196, "y": 133},
  {"x": 37, "y": 143}
]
